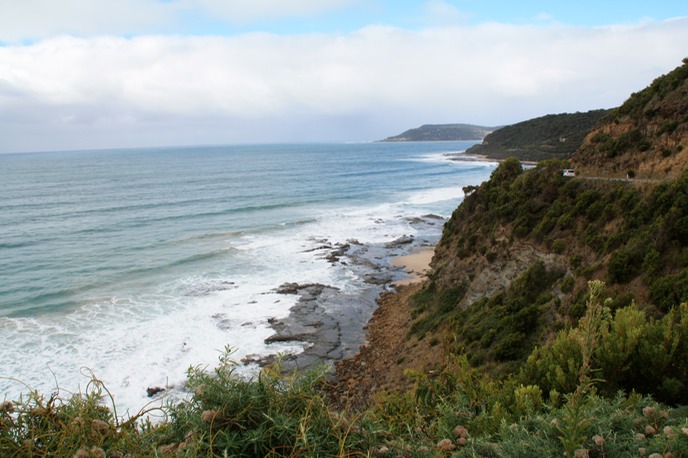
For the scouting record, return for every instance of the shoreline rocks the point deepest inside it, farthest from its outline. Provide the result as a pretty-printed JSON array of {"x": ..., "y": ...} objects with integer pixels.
[{"x": 330, "y": 323}]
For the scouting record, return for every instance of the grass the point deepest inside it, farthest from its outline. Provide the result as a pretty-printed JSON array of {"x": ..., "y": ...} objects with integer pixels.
[{"x": 456, "y": 412}]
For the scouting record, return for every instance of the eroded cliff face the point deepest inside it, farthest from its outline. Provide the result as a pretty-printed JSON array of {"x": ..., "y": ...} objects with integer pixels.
[{"x": 483, "y": 278}]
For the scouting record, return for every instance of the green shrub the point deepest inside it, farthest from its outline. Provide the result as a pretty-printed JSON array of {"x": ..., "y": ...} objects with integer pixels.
[
  {"x": 274, "y": 415},
  {"x": 670, "y": 291},
  {"x": 55, "y": 426},
  {"x": 567, "y": 284}
]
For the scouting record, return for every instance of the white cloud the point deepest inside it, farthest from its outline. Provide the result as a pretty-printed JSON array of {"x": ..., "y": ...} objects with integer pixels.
[
  {"x": 35, "y": 19},
  {"x": 67, "y": 92}
]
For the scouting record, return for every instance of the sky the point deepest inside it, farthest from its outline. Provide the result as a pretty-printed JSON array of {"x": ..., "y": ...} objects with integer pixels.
[{"x": 88, "y": 74}]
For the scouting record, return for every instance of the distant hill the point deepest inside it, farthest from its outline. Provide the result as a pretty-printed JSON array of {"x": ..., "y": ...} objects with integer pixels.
[
  {"x": 646, "y": 137},
  {"x": 442, "y": 133},
  {"x": 552, "y": 136}
]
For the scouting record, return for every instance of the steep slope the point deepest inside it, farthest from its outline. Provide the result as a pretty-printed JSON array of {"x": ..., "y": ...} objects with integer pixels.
[
  {"x": 515, "y": 258},
  {"x": 546, "y": 137},
  {"x": 647, "y": 136},
  {"x": 514, "y": 262}
]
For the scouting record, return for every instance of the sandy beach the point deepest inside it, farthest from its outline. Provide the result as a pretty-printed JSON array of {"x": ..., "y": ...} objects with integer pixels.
[{"x": 416, "y": 264}]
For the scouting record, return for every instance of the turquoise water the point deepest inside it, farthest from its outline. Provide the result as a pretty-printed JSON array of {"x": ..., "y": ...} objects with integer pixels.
[{"x": 121, "y": 260}]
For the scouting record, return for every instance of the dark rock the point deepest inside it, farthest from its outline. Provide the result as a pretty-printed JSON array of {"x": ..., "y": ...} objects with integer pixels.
[
  {"x": 338, "y": 253},
  {"x": 318, "y": 248},
  {"x": 403, "y": 240},
  {"x": 373, "y": 279},
  {"x": 288, "y": 338},
  {"x": 288, "y": 288},
  {"x": 153, "y": 390},
  {"x": 296, "y": 288}
]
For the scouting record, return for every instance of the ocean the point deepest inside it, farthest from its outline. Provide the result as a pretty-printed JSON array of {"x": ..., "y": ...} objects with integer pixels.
[{"x": 132, "y": 265}]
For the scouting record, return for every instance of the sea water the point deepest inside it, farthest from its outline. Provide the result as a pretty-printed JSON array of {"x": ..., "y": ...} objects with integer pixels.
[{"x": 133, "y": 265}]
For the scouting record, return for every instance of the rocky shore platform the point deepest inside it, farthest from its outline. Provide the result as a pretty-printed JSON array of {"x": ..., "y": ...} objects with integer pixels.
[{"x": 331, "y": 324}]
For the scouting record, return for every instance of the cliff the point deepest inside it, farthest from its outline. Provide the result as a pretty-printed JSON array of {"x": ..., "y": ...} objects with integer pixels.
[
  {"x": 442, "y": 132},
  {"x": 515, "y": 259},
  {"x": 513, "y": 267},
  {"x": 647, "y": 136}
]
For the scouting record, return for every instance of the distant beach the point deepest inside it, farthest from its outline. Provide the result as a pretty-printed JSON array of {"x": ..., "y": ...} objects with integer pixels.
[{"x": 416, "y": 264}]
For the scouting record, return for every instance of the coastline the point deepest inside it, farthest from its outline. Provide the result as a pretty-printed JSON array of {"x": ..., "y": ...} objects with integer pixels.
[
  {"x": 328, "y": 322},
  {"x": 389, "y": 352}
]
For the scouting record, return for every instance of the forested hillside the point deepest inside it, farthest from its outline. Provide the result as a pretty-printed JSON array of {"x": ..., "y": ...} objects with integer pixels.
[
  {"x": 546, "y": 137},
  {"x": 516, "y": 257}
]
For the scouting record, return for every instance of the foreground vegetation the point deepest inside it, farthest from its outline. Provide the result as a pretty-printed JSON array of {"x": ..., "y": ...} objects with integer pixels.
[{"x": 564, "y": 408}]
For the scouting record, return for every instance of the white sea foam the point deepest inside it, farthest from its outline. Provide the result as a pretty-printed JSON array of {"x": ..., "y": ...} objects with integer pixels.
[
  {"x": 147, "y": 329},
  {"x": 135, "y": 342},
  {"x": 430, "y": 196}
]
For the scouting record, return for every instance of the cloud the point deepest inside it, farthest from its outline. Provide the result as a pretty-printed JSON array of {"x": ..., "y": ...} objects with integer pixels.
[
  {"x": 37, "y": 19},
  {"x": 67, "y": 92}
]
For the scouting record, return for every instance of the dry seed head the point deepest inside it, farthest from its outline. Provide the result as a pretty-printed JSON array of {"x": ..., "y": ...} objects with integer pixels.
[
  {"x": 684, "y": 431},
  {"x": 642, "y": 451},
  {"x": 669, "y": 432},
  {"x": 446, "y": 445},
  {"x": 381, "y": 451},
  {"x": 97, "y": 452},
  {"x": 208, "y": 416},
  {"x": 190, "y": 436},
  {"x": 81, "y": 453},
  {"x": 100, "y": 426},
  {"x": 581, "y": 453},
  {"x": 460, "y": 431},
  {"x": 199, "y": 389},
  {"x": 650, "y": 430},
  {"x": 656, "y": 455},
  {"x": 461, "y": 441},
  {"x": 7, "y": 406},
  {"x": 598, "y": 440},
  {"x": 648, "y": 411},
  {"x": 640, "y": 437}
]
